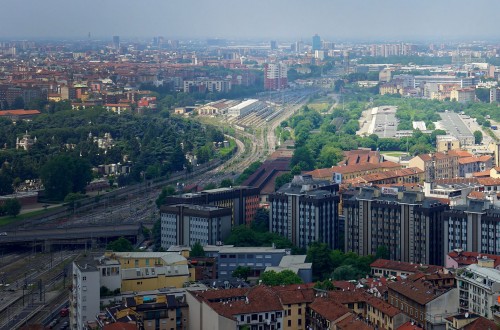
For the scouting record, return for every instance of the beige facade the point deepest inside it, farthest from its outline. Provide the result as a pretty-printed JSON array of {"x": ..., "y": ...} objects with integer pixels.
[
  {"x": 447, "y": 142},
  {"x": 144, "y": 271},
  {"x": 437, "y": 166}
]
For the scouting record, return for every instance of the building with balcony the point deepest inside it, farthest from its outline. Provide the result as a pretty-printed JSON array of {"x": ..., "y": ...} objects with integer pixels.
[
  {"x": 479, "y": 289},
  {"x": 151, "y": 312}
]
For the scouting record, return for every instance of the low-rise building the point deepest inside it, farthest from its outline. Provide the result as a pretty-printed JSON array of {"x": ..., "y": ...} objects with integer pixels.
[
  {"x": 150, "y": 312},
  {"x": 386, "y": 268},
  {"x": 461, "y": 259},
  {"x": 426, "y": 299}
]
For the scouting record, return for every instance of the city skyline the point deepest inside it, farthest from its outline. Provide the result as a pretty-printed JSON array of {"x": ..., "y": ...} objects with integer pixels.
[{"x": 333, "y": 20}]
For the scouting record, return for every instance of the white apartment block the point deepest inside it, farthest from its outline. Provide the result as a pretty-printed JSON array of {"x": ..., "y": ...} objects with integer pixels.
[{"x": 479, "y": 289}]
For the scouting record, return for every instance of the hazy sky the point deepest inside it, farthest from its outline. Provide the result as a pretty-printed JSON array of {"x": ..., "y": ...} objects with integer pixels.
[{"x": 264, "y": 19}]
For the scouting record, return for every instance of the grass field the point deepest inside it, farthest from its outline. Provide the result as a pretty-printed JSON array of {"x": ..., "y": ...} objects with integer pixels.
[
  {"x": 394, "y": 153},
  {"x": 9, "y": 219},
  {"x": 319, "y": 106}
]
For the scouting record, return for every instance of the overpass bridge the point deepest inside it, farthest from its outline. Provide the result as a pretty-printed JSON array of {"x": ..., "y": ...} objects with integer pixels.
[{"x": 70, "y": 235}]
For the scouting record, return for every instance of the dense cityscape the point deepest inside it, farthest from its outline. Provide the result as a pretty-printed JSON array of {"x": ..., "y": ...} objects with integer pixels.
[{"x": 226, "y": 181}]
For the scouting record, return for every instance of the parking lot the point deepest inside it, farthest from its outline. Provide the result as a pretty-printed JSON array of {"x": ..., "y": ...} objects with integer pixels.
[
  {"x": 383, "y": 122},
  {"x": 454, "y": 125}
]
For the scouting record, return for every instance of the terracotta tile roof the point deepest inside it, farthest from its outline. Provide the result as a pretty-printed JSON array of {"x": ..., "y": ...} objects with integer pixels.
[
  {"x": 344, "y": 285},
  {"x": 409, "y": 326},
  {"x": 329, "y": 308},
  {"x": 489, "y": 181},
  {"x": 481, "y": 324},
  {"x": 20, "y": 112},
  {"x": 325, "y": 172},
  {"x": 470, "y": 160},
  {"x": 120, "y": 326},
  {"x": 437, "y": 156},
  {"x": 352, "y": 322},
  {"x": 416, "y": 288},
  {"x": 481, "y": 174},
  {"x": 404, "y": 266},
  {"x": 459, "y": 153},
  {"x": 260, "y": 298},
  {"x": 386, "y": 175},
  {"x": 476, "y": 195},
  {"x": 465, "y": 258}
]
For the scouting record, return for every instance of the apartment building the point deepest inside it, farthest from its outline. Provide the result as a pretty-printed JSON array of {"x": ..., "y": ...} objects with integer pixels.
[
  {"x": 479, "y": 289},
  {"x": 436, "y": 166},
  {"x": 426, "y": 299},
  {"x": 243, "y": 201},
  {"x": 150, "y": 312},
  {"x": 407, "y": 224},
  {"x": 275, "y": 76},
  {"x": 186, "y": 224},
  {"x": 306, "y": 211},
  {"x": 473, "y": 227}
]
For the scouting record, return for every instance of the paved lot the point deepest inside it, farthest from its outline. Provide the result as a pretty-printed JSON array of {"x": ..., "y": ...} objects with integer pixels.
[
  {"x": 383, "y": 122},
  {"x": 453, "y": 123}
]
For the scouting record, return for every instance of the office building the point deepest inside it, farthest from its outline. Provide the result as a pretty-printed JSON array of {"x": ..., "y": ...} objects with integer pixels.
[
  {"x": 306, "y": 211},
  {"x": 495, "y": 95},
  {"x": 257, "y": 258},
  {"x": 116, "y": 42},
  {"x": 275, "y": 76},
  {"x": 316, "y": 43},
  {"x": 186, "y": 224},
  {"x": 407, "y": 224},
  {"x": 273, "y": 45}
]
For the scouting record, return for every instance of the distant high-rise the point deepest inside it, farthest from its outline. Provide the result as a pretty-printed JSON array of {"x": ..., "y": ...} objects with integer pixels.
[
  {"x": 116, "y": 42},
  {"x": 275, "y": 76},
  {"x": 274, "y": 45},
  {"x": 316, "y": 42}
]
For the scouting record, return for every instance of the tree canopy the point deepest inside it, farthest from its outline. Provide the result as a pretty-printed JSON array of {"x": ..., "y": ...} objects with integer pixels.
[{"x": 285, "y": 277}]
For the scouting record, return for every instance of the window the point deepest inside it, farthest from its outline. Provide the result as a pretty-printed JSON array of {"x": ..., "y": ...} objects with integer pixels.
[
  {"x": 84, "y": 278},
  {"x": 300, "y": 311},
  {"x": 289, "y": 323},
  {"x": 299, "y": 322}
]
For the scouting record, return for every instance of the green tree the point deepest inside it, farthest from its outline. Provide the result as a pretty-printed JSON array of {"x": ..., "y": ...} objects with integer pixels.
[
  {"x": 382, "y": 252},
  {"x": 120, "y": 245},
  {"x": 242, "y": 272},
  {"x": 345, "y": 273},
  {"x": 242, "y": 236},
  {"x": 6, "y": 187},
  {"x": 12, "y": 207},
  {"x": 165, "y": 192},
  {"x": 322, "y": 263},
  {"x": 63, "y": 174},
  {"x": 209, "y": 186},
  {"x": 478, "y": 137},
  {"x": 226, "y": 183},
  {"x": 285, "y": 277},
  {"x": 260, "y": 222},
  {"x": 326, "y": 285},
  {"x": 302, "y": 156},
  {"x": 282, "y": 179},
  {"x": 197, "y": 250}
]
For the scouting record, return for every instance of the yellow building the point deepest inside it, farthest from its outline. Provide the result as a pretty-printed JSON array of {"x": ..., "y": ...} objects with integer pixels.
[
  {"x": 446, "y": 143},
  {"x": 144, "y": 271}
]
